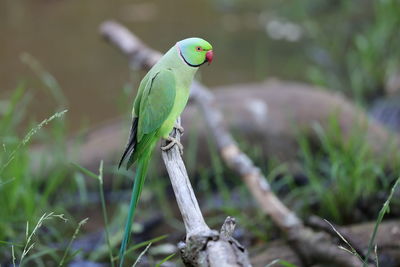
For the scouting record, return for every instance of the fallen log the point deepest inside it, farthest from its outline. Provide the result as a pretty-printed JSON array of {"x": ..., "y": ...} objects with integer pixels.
[{"x": 265, "y": 114}]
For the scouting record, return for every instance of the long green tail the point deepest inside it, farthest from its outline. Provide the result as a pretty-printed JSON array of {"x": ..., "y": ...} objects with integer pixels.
[{"x": 140, "y": 177}]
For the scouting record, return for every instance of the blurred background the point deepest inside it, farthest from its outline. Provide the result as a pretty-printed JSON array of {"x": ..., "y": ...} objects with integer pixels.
[
  {"x": 252, "y": 42},
  {"x": 342, "y": 55}
]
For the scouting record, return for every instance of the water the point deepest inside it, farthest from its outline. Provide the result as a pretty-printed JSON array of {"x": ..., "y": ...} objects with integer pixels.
[{"x": 63, "y": 36}]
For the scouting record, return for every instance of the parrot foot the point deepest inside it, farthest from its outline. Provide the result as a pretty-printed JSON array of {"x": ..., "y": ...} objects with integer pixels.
[
  {"x": 179, "y": 128},
  {"x": 171, "y": 142}
]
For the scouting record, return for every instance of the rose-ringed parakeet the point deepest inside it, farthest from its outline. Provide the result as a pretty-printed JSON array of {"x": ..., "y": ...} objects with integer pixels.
[{"x": 161, "y": 98}]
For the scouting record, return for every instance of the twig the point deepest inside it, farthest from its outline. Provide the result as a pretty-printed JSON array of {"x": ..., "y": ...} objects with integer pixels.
[
  {"x": 142, "y": 254},
  {"x": 320, "y": 224},
  {"x": 311, "y": 247}
]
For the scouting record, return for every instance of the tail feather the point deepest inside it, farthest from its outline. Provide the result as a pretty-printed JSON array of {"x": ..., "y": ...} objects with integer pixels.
[
  {"x": 131, "y": 145},
  {"x": 140, "y": 176}
]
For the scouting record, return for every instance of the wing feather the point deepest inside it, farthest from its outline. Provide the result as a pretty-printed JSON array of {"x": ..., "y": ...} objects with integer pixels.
[
  {"x": 131, "y": 145},
  {"x": 153, "y": 104},
  {"x": 157, "y": 102}
]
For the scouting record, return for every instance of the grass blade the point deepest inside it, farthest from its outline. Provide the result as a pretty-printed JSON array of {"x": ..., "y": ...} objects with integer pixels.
[
  {"x": 104, "y": 211},
  {"x": 86, "y": 171},
  {"x": 29, "y": 135},
  {"x": 45, "y": 77},
  {"x": 142, "y": 254},
  {"x": 142, "y": 244},
  {"x": 165, "y": 259},
  {"x": 382, "y": 212},
  {"x": 81, "y": 223},
  {"x": 281, "y": 262}
]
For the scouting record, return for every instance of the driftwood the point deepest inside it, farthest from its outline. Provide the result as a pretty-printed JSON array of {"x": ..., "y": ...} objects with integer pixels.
[
  {"x": 203, "y": 246},
  {"x": 312, "y": 247}
]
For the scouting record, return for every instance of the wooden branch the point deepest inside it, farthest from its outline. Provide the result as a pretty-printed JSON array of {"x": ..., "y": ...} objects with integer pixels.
[
  {"x": 187, "y": 202},
  {"x": 241, "y": 163},
  {"x": 312, "y": 247},
  {"x": 130, "y": 45},
  {"x": 203, "y": 246}
]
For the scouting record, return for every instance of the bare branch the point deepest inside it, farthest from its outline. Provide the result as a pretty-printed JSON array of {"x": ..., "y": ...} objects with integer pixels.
[
  {"x": 240, "y": 162},
  {"x": 203, "y": 246},
  {"x": 187, "y": 202}
]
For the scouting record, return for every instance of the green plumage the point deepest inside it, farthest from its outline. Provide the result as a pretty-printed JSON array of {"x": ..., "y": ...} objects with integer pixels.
[{"x": 161, "y": 98}]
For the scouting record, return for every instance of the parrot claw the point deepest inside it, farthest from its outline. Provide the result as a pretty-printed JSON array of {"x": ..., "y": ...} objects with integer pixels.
[
  {"x": 170, "y": 143},
  {"x": 179, "y": 128}
]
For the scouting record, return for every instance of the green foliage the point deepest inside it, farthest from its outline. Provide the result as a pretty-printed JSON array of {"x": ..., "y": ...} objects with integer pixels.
[
  {"x": 354, "y": 48},
  {"x": 33, "y": 184},
  {"x": 18, "y": 185},
  {"x": 342, "y": 172},
  {"x": 21, "y": 202},
  {"x": 99, "y": 177}
]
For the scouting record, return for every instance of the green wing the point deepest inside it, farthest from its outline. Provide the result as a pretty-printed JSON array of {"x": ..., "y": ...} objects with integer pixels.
[
  {"x": 136, "y": 103},
  {"x": 153, "y": 104},
  {"x": 156, "y": 102}
]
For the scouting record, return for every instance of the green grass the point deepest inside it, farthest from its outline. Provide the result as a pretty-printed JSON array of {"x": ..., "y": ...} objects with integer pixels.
[
  {"x": 23, "y": 194},
  {"x": 352, "y": 49},
  {"x": 99, "y": 177},
  {"x": 385, "y": 209},
  {"x": 371, "y": 246},
  {"x": 26, "y": 195},
  {"x": 342, "y": 173},
  {"x": 31, "y": 183},
  {"x": 18, "y": 185}
]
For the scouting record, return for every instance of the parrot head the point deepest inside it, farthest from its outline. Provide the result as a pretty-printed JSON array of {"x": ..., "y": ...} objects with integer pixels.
[{"x": 195, "y": 51}]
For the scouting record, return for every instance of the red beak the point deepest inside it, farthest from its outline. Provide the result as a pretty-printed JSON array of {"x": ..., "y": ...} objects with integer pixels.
[{"x": 209, "y": 56}]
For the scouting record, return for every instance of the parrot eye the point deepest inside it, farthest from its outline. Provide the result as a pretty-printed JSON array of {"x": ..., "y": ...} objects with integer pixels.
[{"x": 198, "y": 48}]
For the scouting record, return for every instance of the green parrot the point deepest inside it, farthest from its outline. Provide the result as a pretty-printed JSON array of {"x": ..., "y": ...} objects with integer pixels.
[{"x": 161, "y": 98}]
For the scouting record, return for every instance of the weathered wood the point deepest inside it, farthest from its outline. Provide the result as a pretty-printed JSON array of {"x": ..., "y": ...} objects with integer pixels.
[
  {"x": 241, "y": 163},
  {"x": 203, "y": 246},
  {"x": 187, "y": 202}
]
